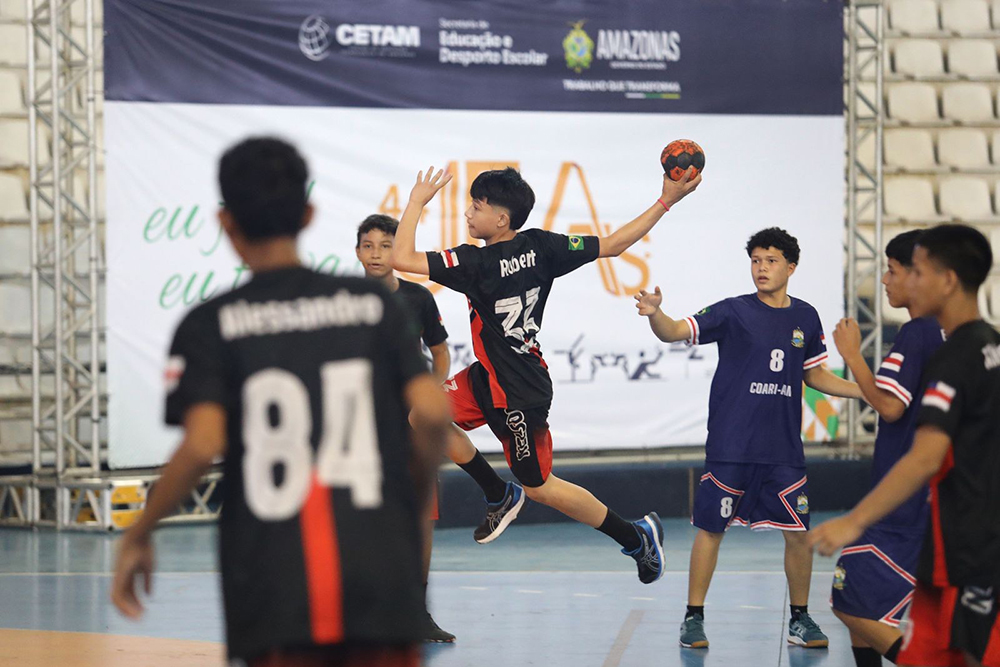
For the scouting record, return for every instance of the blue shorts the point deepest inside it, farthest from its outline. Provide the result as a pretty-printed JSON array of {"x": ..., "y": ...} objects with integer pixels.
[
  {"x": 752, "y": 494},
  {"x": 874, "y": 576}
]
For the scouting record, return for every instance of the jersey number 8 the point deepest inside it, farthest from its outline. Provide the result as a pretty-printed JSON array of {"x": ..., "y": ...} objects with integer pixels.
[
  {"x": 348, "y": 455},
  {"x": 777, "y": 360}
]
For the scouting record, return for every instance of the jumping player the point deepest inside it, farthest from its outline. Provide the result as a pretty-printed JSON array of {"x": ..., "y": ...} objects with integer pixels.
[
  {"x": 374, "y": 250},
  {"x": 769, "y": 342},
  {"x": 303, "y": 382},
  {"x": 507, "y": 283},
  {"x": 953, "y": 616},
  {"x": 873, "y": 580}
]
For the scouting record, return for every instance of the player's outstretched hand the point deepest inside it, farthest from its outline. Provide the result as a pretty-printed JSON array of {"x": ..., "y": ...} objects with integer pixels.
[
  {"x": 833, "y": 535},
  {"x": 427, "y": 185},
  {"x": 847, "y": 337},
  {"x": 674, "y": 191},
  {"x": 648, "y": 303},
  {"x": 135, "y": 559}
]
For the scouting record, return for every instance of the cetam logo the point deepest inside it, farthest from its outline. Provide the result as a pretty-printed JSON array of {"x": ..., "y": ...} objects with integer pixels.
[{"x": 314, "y": 38}]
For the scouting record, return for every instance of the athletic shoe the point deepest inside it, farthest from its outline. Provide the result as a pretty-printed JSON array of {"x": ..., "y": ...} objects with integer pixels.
[
  {"x": 499, "y": 515},
  {"x": 649, "y": 554},
  {"x": 433, "y": 634},
  {"x": 803, "y": 631},
  {"x": 693, "y": 632}
]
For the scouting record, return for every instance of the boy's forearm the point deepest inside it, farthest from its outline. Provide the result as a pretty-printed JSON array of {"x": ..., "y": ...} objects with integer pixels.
[
  {"x": 441, "y": 361},
  {"x": 826, "y": 382},
  {"x": 180, "y": 477},
  {"x": 630, "y": 233},
  {"x": 884, "y": 403},
  {"x": 668, "y": 329},
  {"x": 905, "y": 478}
]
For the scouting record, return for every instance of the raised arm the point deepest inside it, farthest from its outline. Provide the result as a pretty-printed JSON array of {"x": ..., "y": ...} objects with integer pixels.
[
  {"x": 405, "y": 256},
  {"x": 628, "y": 234},
  {"x": 666, "y": 329},
  {"x": 847, "y": 337}
]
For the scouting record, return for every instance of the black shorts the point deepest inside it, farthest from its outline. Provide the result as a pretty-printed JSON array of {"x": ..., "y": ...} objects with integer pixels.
[
  {"x": 527, "y": 442},
  {"x": 947, "y": 622}
]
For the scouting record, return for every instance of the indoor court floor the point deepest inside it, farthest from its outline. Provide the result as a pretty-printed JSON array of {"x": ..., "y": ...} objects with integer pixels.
[{"x": 551, "y": 595}]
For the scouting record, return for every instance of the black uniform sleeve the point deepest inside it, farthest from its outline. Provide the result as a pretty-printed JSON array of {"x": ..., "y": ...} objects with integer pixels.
[
  {"x": 399, "y": 338},
  {"x": 434, "y": 332},
  {"x": 456, "y": 268},
  {"x": 946, "y": 380},
  {"x": 569, "y": 253},
  {"x": 196, "y": 370}
]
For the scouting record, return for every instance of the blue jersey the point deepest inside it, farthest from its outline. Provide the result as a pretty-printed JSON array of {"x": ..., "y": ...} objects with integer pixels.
[
  {"x": 900, "y": 374},
  {"x": 755, "y": 407}
]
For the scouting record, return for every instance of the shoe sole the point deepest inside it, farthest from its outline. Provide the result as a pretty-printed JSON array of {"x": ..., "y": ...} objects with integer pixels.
[
  {"x": 440, "y": 641},
  {"x": 506, "y": 520},
  {"x": 658, "y": 542},
  {"x": 816, "y": 643},
  {"x": 703, "y": 644}
]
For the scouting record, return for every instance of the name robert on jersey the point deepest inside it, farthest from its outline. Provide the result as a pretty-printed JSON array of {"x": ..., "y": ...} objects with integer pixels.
[
  {"x": 343, "y": 309},
  {"x": 509, "y": 267},
  {"x": 771, "y": 389}
]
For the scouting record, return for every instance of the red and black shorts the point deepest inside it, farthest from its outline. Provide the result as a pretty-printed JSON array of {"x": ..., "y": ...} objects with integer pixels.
[
  {"x": 947, "y": 622},
  {"x": 525, "y": 435},
  {"x": 341, "y": 656}
]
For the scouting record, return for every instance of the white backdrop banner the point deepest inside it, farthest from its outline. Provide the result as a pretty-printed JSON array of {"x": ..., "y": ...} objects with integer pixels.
[{"x": 616, "y": 385}]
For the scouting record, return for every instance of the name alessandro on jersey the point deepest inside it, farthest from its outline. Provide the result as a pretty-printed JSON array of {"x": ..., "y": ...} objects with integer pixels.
[{"x": 771, "y": 389}]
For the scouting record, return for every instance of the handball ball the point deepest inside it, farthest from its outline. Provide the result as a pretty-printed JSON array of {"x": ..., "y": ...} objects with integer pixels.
[{"x": 679, "y": 155}]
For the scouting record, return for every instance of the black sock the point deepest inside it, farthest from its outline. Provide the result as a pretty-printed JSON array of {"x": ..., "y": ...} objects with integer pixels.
[
  {"x": 695, "y": 611},
  {"x": 798, "y": 610},
  {"x": 486, "y": 477},
  {"x": 892, "y": 655},
  {"x": 866, "y": 657},
  {"x": 621, "y": 531}
]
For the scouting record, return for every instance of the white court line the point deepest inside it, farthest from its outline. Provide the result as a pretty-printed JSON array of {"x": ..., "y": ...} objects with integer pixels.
[
  {"x": 474, "y": 588},
  {"x": 646, "y": 599},
  {"x": 585, "y": 595},
  {"x": 531, "y": 592}
]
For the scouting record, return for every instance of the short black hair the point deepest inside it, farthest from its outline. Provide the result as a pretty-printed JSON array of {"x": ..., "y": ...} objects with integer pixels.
[
  {"x": 773, "y": 237},
  {"x": 900, "y": 248},
  {"x": 962, "y": 249},
  {"x": 505, "y": 187},
  {"x": 383, "y": 223},
  {"x": 263, "y": 182}
]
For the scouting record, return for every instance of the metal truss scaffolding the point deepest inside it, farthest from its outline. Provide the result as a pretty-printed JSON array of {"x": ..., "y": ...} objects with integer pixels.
[
  {"x": 864, "y": 64},
  {"x": 67, "y": 403}
]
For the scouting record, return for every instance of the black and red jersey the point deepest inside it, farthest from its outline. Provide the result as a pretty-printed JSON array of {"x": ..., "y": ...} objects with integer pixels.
[
  {"x": 962, "y": 398},
  {"x": 507, "y": 285},
  {"x": 319, "y": 534}
]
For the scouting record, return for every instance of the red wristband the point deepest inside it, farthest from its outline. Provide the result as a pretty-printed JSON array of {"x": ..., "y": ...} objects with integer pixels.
[{"x": 662, "y": 204}]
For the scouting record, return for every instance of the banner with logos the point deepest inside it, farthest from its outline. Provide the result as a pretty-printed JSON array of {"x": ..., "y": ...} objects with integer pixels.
[{"x": 579, "y": 96}]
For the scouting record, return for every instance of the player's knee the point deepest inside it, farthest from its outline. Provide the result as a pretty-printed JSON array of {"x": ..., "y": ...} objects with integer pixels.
[
  {"x": 796, "y": 539},
  {"x": 542, "y": 493}
]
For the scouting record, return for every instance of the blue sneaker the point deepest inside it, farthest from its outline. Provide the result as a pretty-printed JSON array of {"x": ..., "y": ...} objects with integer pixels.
[
  {"x": 693, "y": 632},
  {"x": 500, "y": 515},
  {"x": 803, "y": 631},
  {"x": 649, "y": 555}
]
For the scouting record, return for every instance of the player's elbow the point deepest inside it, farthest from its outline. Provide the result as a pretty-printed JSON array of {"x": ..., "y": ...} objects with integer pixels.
[
  {"x": 892, "y": 412},
  {"x": 611, "y": 247}
]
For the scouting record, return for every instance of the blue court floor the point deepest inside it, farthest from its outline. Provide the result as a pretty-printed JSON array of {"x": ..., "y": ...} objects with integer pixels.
[{"x": 549, "y": 595}]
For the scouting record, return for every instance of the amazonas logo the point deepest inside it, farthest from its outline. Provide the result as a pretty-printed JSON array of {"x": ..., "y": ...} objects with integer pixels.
[
  {"x": 622, "y": 276},
  {"x": 579, "y": 48}
]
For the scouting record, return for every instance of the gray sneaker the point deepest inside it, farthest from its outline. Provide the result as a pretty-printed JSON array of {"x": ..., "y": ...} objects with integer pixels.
[
  {"x": 803, "y": 631},
  {"x": 693, "y": 633}
]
